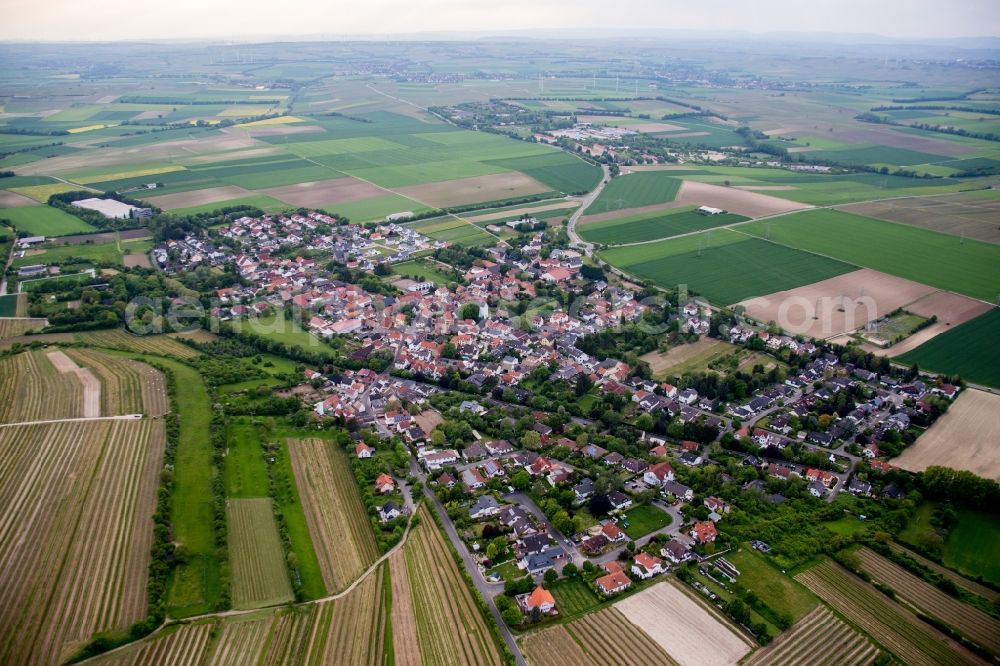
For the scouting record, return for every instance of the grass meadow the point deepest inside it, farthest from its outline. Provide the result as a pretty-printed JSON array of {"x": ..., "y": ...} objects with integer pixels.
[
  {"x": 44, "y": 221},
  {"x": 635, "y": 190}
]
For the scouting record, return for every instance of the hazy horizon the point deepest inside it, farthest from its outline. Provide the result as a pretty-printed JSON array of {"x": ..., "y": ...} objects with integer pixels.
[{"x": 114, "y": 20}]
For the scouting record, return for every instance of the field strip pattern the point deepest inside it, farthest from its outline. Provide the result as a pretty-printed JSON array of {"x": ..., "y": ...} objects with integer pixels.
[
  {"x": 895, "y": 628},
  {"x": 185, "y": 647},
  {"x": 404, "y": 625},
  {"x": 127, "y": 386},
  {"x": 961, "y": 581},
  {"x": 554, "y": 647},
  {"x": 289, "y": 636},
  {"x": 241, "y": 642},
  {"x": 75, "y": 541},
  {"x": 682, "y": 625},
  {"x": 818, "y": 638},
  {"x": 11, "y": 327},
  {"x": 351, "y": 630},
  {"x": 608, "y": 637},
  {"x": 971, "y": 622},
  {"x": 91, "y": 387},
  {"x": 338, "y": 522},
  {"x": 450, "y": 629},
  {"x": 31, "y": 389},
  {"x": 160, "y": 345},
  {"x": 258, "y": 560}
]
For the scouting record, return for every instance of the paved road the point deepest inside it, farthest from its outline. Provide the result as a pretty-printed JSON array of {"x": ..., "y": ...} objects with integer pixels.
[
  {"x": 487, "y": 590},
  {"x": 588, "y": 248},
  {"x": 529, "y": 505}
]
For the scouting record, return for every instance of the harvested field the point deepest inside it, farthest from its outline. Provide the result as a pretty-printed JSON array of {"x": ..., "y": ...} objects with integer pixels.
[
  {"x": 961, "y": 214},
  {"x": 75, "y": 535},
  {"x": 258, "y": 559},
  {"x": 819, "y": 637},
  {"x": 705, "y": 348},
  {"x": 404, "y": 624},
  {"x": 966, "y": 437},
  {"x": 11, "y": 327},
  {"x": 951, "y": 310},
  {"x": 91, "y": 387},
  {"x": 137, "y": 260},
  {"x": 13, "y": 200},
  {"x": 208, "y": 195},
  {"x": 32, "y": 389},
  {"x": 325, "y": 192},
  {"x": 741, "y": 202},
  {"x": 554, "y": 647},
  {"x": 693, "y": 633},
  {"x": 160, "y": 345},
  {"x": 863, "y": 294},
  {"x": 280, "y": 130},
  {"x": 338, "y": 523},
  {"x": 450, "y": 629},
  {"x": 494, "y": 187},
  {"x": 970, "y": 622},
  {"x": 895, "y": 628},
  {"x": 610, "y": 639},
  {"x": 184, "y": 647}
]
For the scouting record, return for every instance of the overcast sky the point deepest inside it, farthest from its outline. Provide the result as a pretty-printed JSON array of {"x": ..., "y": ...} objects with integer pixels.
[{"x": 183, "y": 19}]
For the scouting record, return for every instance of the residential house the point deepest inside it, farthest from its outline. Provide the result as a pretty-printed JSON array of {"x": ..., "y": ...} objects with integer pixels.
[
  {"x": 678, "y": 490},
  {"x": 613, "y": 583},
  {"x": 704, "y": 532},
  {"x": 646, "y": 566},
  {"x": 675, "y": 551},
  {"x": 384, "y": 484},
  {"x": 362, "y": 450},
  {"x": 613, "y": 533},
  {"x": 484, "y": 507},
  {"x": 540, "y": 598},
  {"x": 389, "y": 511},
  {"x": 659, "y": 474}
]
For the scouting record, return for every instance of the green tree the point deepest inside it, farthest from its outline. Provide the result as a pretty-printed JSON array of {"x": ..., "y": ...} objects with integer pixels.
[{"x": 550, "y": 577}]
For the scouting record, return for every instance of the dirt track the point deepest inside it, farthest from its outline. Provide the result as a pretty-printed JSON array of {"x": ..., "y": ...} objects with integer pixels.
[
  {"x": 966, "y": 437},
  {"x": 91, "y": 385}
]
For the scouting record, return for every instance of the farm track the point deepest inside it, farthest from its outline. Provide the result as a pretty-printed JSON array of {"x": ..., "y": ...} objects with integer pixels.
[
  {"x": 818, "y": 638},
  {"x": 75, "y": 541},
  {"x": 895, "y": 628},
  {"x": 331, "y": 501},
  {"x": 971, "y": 622}
]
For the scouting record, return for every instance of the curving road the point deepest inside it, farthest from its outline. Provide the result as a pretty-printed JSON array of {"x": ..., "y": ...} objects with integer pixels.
[{"x": 587, "y": 248}]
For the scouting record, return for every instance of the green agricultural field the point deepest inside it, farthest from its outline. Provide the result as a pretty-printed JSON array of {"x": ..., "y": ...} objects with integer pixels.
[
  {"x": 8, "y": 305},
  {"x": 375, "y": 208},
  {"x": 782, "y": 593},
  {"x": 640, "y": 228},
  {"x": 422, "y": 269},
  {"x": 558, "y": 170},
  {"x": 264, "y": 202},
  {"x": 969, "y": 350},
  {"x": 634, "y": 190},
  {"x": 940, "y": 260},
  {"x": 723, "y": 265},
  {"x": 973, "y": 544},
  {"x": 256, "y": 555},
  {"x": 99, "y": 253},
  {"x": 279, "y": 329},
  {"x": 645, "y": 519},
  {"x": 877, "y": 155},
  {"x": 454, "y": 230},
  {"x": 44, "y": 221},
  {"x": 246, "y": 472},
  {"x": 573, "y": 597}
]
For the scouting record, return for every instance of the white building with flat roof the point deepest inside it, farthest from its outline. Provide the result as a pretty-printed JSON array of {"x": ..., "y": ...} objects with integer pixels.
[{"x": 107, "y": 207}]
